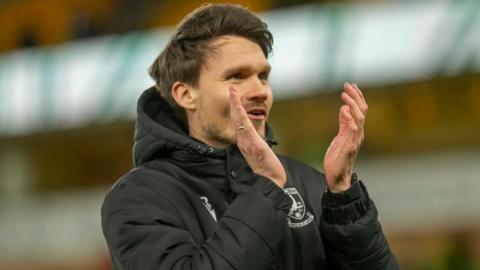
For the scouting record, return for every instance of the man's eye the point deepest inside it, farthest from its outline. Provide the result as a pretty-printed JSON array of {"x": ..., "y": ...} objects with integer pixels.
[
  {"x": 236, "y": 76},
  {"x": 263, "y": 76}
]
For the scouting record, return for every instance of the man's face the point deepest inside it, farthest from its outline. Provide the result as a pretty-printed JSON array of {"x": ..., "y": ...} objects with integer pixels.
[{"x": 240, "y": 63}]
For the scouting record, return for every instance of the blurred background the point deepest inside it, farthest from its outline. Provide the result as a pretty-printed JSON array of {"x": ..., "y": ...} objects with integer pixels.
[{"x": 71, "y": 72}]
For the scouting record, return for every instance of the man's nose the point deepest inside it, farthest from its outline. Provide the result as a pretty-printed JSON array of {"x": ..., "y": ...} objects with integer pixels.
[{"x": 257, "y": 90}]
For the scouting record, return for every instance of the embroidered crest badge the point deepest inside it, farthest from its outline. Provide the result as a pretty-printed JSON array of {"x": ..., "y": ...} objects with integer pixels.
[
  {"x": 298, "y": 216},
  {"x": 209, "y": 207}
]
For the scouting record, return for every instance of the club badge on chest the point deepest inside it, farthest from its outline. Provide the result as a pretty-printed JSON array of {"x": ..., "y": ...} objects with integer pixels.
[{"x": 298, "y": 216}]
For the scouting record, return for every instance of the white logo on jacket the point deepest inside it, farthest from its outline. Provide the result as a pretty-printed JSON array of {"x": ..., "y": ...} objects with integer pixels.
[
  {"x": 298, "y": 216},
  {"x": 209, "y": 207}
]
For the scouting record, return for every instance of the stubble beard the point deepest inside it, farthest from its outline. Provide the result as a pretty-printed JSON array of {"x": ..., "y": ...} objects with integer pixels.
[
  {"x": 226, "y": 135},
  {"x": 220, "y": 130}
]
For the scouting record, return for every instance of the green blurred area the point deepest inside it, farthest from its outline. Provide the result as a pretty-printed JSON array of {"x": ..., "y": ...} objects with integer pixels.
[{"x": 440, "y": 114}]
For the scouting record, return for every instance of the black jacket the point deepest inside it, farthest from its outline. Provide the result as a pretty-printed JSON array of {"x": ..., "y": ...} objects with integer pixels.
[{"x": 186, "y": 205}]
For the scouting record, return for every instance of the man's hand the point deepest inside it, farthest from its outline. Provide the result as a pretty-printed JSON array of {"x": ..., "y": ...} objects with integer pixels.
[
  {"x": 343, "y": 150},
  {"x": 254, "y": 149}
]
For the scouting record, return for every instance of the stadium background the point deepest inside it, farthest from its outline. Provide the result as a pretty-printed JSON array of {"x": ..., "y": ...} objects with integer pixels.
[{"x": 71, "y": 71}]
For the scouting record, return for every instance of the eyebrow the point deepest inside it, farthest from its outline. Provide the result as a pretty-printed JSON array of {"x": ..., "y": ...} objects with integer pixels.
[{"x": 244, "y": 68}]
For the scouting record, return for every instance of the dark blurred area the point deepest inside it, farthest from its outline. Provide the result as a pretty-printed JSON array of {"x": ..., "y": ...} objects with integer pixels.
[
  {"x": 66, "y": 131},
  {"x": 29, "y": 23}
]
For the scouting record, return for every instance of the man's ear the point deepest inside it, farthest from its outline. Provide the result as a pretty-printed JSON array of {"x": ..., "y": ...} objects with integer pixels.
[{"x": 184, "y": 95}]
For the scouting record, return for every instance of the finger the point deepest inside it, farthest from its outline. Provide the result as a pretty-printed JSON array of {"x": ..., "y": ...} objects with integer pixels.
[
  {"x": 233, "y": 111},
  {"x": 354, "y": 108},
  {"x": 251, "y": 145},
  {"x": 346, "y": 117},
  {"x": 242, "y": 124},
  {"x": 364, "y": 105},
  {"x": 354, "y": 138},
  {"x": 356, "y": 95},
  {"x": 236, "y": 109}
]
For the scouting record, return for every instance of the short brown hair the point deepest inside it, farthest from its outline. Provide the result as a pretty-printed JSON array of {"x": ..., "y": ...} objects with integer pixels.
[{"x": 185, "y": 53}]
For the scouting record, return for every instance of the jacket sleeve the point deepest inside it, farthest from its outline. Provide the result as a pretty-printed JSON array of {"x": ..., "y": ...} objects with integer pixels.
[
  {"x": 351, "y": 233},
  {"x": 144, "y": 231}
]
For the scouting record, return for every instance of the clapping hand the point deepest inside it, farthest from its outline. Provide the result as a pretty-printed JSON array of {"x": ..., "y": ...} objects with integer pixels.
[
  {"x": 259, "y": 156},
  {"x": 342, "y": 152}
]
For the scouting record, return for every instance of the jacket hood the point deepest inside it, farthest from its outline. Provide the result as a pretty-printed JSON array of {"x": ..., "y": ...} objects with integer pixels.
[{"x": 158, "y": 133}]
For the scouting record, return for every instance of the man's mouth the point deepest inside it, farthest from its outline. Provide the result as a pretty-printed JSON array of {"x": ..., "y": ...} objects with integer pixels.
[{"x": 257, "y": 114}]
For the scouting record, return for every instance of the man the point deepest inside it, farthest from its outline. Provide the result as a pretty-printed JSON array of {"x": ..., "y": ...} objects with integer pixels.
[{"x": 208, "y": 192}]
